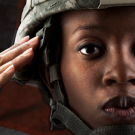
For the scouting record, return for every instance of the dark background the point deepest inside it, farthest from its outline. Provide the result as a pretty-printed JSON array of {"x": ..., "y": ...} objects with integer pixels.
[{"x": 10, "y": 14}]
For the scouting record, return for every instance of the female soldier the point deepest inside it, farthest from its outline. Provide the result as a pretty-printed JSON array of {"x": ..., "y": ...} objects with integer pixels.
[{"x": 87, "y": 67}]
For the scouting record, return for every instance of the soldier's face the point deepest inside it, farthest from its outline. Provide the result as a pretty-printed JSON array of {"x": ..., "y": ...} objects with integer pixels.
[{"x": 98, "y": 65}]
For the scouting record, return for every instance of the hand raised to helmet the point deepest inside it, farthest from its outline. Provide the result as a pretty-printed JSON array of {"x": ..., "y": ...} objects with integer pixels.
[{"x": 16, "y": 57}]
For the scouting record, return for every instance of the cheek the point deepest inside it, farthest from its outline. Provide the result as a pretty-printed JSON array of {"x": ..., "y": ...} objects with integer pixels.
[
  {"x": 82, "y": 82},
  {"x": 81, "y": 76}
]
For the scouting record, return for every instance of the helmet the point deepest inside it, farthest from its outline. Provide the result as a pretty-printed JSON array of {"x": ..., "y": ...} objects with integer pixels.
[
  {"x": 36, "y": 11},
  {"x": 38, "y": 19}
]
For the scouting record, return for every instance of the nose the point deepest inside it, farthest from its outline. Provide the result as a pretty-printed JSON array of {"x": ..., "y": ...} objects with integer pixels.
[{"x": 119, "y": 69}]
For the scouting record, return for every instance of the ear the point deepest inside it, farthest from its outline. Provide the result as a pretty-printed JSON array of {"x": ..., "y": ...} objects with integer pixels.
[{"x": 45, "y": 76}]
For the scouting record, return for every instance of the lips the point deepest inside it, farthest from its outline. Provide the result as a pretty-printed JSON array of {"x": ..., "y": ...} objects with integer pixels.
[{"x": 120, "y": 108}]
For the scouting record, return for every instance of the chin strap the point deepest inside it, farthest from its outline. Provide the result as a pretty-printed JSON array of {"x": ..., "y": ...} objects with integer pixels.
[
  {"x": 115, "y": 130},
  {"x": 64, "y": 116},
  {"x": 61, "y": 116},
  {"x": 68, "y": 119}
]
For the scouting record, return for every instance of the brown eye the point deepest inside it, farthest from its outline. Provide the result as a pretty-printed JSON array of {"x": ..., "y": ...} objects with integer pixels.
[{"x": 90, "y": 49}]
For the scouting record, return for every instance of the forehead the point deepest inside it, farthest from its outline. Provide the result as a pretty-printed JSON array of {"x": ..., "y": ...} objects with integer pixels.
[
  {"x": 100, "y": 17},
  {"x": 118, "y": 21}
]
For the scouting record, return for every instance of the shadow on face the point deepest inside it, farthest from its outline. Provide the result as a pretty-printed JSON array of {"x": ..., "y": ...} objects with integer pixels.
[{"x": 98, "y": 64}]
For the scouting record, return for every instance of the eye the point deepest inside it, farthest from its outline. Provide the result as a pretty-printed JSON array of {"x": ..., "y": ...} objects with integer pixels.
[{"x": 90, "y": 49}]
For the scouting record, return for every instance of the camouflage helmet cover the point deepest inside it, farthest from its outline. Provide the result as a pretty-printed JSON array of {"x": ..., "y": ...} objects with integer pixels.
[{"x": 36, "y": 11}]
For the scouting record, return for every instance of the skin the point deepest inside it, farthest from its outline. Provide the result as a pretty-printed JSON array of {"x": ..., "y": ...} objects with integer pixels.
[
  {"x": 95, "y": 77},
  {"x": 105, "y": 73},
  {"x": 16, "y": 57}
]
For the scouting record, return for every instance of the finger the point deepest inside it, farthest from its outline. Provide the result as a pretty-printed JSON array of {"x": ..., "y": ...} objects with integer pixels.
[
  {"x": 19, "y": 61},
  {"x": 10, "y": 55},
  {"x": 7, "y": 75},
  {"x": 23, "y": 40}
]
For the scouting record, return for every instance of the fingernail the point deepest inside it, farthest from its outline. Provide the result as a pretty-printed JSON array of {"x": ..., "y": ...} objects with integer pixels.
[
  {"x": 9, "y": 68},
  {"x": 27, "y": 51},
  {"x": 23, "y": 39},
  {"x": 33, "y": 40}
]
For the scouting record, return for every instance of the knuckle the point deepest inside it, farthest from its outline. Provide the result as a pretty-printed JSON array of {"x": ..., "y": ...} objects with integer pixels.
[
  {"x": 13, "y": 61},
  {"x": 18, "y": 49},
  {"x": 13, "y": 47},
  {"x": 9, "y": 64}
]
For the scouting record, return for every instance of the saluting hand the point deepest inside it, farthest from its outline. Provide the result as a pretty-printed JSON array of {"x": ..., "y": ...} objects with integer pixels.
[{"x": 16, "y": 57}]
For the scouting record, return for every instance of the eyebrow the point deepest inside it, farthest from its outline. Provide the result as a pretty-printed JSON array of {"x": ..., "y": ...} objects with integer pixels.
[{"x": 86, "y": 27}]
